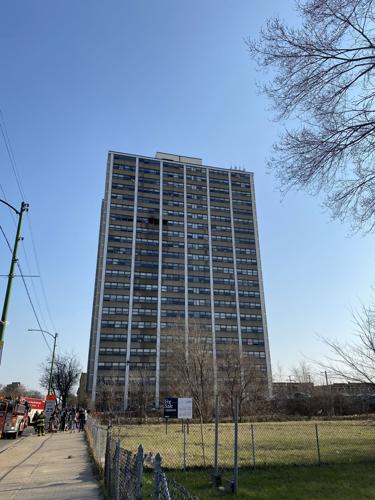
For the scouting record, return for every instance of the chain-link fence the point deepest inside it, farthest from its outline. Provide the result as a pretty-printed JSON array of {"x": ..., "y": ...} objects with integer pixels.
[
  {"x": 225, "y": 447},
  {"x": 167, "y": 488},
  {"x": 123, "y": 469},
  {"x": 259, "y": 444},
  {"x": 221, "y": 448},
  {"x": 97, "y": 437}
]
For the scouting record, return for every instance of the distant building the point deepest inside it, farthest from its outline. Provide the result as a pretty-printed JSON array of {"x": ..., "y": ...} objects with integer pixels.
[
  {"x": 292, "y": 389},
  {"x": 82, "y": 398},
  {"x": 178, "y": 241},
  {"x": 348, "y": 388}
]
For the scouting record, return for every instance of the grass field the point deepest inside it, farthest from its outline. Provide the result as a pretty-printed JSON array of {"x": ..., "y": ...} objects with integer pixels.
[
  {"x": 328, "y": 482},
  {"x": 277, "y": 443}
]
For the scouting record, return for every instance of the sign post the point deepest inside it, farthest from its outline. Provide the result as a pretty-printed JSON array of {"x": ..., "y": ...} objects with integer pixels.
[
  {"x": 170, "y": 407},
  {"x": 50, "y": 406},
  {"x": 181, "y": 408},
  {"x": 185, "y": 408},
  {"x": 184, "y": 453},
  {"x": 178, "y": 408}
]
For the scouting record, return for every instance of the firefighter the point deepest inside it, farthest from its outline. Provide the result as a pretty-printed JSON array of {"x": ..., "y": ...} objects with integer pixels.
[
  {"x": 40, "y": 423},
  {"x": 34, "y": 421}
]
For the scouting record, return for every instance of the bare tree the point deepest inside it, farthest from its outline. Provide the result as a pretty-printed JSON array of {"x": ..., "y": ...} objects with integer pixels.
[
  {"x": 14, "y": 390},
  {"x": 33, "y": 393},
  {"x": 65, "y": 375},
  {"x": 355, "y": 362},
  {"x": 141, "y": 391},
  {"x": 192, "y": 367},
  {"x": 241, "y": 380},
  {"x": 106, "y": 393},
  {"x": 302, "y": 373},
  {"x": 324, "y": 73}
]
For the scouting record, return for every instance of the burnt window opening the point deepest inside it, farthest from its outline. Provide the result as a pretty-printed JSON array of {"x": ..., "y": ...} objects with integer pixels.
[{"x": 153, "y": 220}]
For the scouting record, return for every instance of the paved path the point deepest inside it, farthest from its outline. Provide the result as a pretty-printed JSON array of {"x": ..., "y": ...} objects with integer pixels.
[
  {"x": 5, "y": 443},
  {"x": 55, "y": 466}
]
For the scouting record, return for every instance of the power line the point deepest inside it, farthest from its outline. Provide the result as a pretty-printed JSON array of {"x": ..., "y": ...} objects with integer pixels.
[
  {"x": 9, "y": 149},
  {"x": 10, "y": 152},
  {"x": 32, "y": 306},
  {"x": 12, "y": 160},
  {"x": 34, "y": 288},
  {"x": 40, "y": 274},
  {"x": 26, "y": 288}
]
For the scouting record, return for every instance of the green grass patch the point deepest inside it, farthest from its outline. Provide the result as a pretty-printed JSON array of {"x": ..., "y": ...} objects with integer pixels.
[{"x": 337, "y": 481}]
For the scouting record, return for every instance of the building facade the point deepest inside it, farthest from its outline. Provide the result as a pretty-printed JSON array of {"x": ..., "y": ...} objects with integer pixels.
[{"x": 178, "y": 241}]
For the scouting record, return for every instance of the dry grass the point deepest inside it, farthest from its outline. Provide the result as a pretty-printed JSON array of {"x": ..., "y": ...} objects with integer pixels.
[{"x": 276, "y": 443}]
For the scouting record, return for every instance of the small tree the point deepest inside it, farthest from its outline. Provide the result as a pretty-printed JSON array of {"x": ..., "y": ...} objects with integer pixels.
[
  {"x": 106, "y": 399},
  {"x": 65, "y": 375},
  {"x": 141, "y": 391},
  {"x": 240, "y": 379},
  {"x": 192, "y": 367},
  {"x": 355, "y": 361},
  {"x": 302, "y": 375}
]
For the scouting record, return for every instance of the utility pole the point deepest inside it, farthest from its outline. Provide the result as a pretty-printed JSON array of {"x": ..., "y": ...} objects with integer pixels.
[
  {"x": 54, "y": 336},
  {"x": 52, "y": 361},
  {"x": 3, "y": 321}
]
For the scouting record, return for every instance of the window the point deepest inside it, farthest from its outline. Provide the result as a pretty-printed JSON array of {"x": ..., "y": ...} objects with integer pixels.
[
  {"x": 112, "y": 337},
  {"x": 122, "y": 229},
  {"x": 115, "y": 298},
  {"x": 114, "y": 310},
  {"x": 118, "y": 262},
  {"x": 114, "y": 324},
  {"x": 112, "y": 284}
]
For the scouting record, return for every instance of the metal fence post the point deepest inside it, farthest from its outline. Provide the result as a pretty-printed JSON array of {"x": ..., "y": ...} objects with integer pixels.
[
  {"x": 216, "y": 451},
  {"x": 216, "y": 476},
  {"x": 157, "y": 467},
  {"x": 317, "y": 443},
  {"x": 107, "y": 458},
  {"x": 117, "y": 470},
  {"x": 253, "y": 444},
  {"x": 138, "y": 492},
  {"x": 184, "y": 445},
  {"x": 94, "y": 431},
  {"x": 100, "y": 447},
  {"x": 235, "y": 450}
]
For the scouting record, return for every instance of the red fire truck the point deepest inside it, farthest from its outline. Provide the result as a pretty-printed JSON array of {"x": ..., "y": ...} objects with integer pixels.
[
  {"x": 36, "y": 405},
  {"x": 13, "y": 418}
]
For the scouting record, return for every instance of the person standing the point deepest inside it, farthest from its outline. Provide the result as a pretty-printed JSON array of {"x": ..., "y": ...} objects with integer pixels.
[
  {"x": 63, "y": 420},
  {"x": 82, "y": 419},
  {"x": 40, "y": 423},
  {"x": 34, "y": 421},
  {"x": 76, "y": 418},
  {"x": 54, "y": 422}
]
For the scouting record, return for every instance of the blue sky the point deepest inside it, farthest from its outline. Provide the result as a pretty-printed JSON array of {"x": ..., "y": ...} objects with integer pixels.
[{"x": 80, "y": 78}]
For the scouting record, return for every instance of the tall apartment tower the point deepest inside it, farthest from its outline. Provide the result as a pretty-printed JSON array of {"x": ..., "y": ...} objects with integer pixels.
[{"x": 178, "y": 241}]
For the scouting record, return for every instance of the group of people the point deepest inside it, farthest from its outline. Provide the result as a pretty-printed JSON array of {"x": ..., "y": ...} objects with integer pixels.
[
  {"x": 67, "y": 419},
  {"x": 39, "y": 423}
]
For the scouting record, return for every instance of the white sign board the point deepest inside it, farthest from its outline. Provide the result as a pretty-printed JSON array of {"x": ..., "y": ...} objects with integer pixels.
[
  {"x": 185, "y": 408},
  {"x": 50, "y": 408}
]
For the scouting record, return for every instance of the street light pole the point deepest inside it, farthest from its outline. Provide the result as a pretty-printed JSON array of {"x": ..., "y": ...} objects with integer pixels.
[
  {"x": 3, "y": 321},
  {"x": 52, "y": 361},
  {"x": 53, "y": 355}
]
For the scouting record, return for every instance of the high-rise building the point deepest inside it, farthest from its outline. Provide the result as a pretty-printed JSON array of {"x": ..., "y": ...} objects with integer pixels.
[{"x": 178, "y": 241}]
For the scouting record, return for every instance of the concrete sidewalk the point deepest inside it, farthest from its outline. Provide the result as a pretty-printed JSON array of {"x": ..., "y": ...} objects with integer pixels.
[{"x": 55, "y": 466}]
